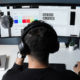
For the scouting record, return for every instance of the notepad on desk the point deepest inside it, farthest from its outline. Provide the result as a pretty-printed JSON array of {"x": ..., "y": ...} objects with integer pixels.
[{"x": 2, "y": 62}]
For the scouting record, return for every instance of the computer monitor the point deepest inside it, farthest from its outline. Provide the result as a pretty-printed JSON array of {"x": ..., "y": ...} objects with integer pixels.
[{"x": 64, "y": 19}]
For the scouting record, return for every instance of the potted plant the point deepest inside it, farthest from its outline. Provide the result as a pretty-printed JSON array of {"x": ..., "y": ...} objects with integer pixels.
[{"x": 71, "y": 45}]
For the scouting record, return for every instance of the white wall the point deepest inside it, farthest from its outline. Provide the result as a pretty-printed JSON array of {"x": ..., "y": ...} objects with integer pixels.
[{"x": 62, "y": 56}]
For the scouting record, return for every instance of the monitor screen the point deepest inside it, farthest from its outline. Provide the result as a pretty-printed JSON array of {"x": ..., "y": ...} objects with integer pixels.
[{"x": 63, "y": 19}]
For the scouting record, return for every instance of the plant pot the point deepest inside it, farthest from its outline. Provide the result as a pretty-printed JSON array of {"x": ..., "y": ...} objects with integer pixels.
[{"x": 71, "y": 48}]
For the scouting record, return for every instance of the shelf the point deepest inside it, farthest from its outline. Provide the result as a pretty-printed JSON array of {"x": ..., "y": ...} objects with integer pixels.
[
  {"x": 9, "y": 41},
  {"x": 16, "y": 40},
  {"x": 40, "y": 2}
]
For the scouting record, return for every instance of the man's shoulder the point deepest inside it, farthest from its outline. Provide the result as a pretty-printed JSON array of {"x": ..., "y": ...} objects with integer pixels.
[
  {"x": 68, "y": 74},
  {"x": 64, "y": 75}
]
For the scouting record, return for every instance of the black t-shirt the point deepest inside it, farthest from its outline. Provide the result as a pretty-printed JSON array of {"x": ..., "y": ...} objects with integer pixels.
[{"x": 23, "y": 73}]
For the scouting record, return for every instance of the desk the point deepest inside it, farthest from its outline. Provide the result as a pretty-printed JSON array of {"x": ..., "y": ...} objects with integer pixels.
[
  {"x": 11, "y": 52},
  {"x": 62, "y": 56}
]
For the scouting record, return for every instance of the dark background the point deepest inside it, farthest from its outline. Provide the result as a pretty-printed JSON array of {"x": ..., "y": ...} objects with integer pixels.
[{"x": 41, "y": 1}]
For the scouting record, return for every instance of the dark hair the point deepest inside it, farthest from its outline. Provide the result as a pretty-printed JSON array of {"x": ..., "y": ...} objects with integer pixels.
[{"x": 41, "y": 40}]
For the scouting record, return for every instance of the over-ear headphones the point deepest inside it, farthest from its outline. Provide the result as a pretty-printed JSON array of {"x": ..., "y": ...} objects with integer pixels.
[
  {"x": 24, "y": 48},
  {"x": 7, "y": 21}
]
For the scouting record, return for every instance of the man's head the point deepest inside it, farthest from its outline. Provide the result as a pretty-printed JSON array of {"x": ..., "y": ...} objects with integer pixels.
[{"x": 40, "y": 39}]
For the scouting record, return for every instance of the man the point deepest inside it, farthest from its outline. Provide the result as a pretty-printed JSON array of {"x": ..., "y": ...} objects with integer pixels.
[{"x": 37, "y": 41}]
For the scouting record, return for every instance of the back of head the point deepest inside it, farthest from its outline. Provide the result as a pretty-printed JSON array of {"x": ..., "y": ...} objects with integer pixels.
[{"x": 41, "y": 39}]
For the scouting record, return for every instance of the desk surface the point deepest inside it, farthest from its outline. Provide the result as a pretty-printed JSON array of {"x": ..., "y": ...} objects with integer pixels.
[{"x": 63, "y": 56}]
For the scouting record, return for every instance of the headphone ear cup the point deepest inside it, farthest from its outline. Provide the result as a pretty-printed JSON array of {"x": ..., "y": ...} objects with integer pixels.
[
  {"x": 54, "y": 47},
  {"x": 24, "y": 49}
]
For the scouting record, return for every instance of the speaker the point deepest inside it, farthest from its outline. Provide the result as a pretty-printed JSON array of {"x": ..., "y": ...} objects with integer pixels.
[{"x": 72, "y": 18}]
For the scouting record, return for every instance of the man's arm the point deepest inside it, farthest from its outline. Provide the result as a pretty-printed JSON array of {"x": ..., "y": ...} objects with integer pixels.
[
  {"x": 18, "y": 65},
  {"x": 19, "y": 62}
]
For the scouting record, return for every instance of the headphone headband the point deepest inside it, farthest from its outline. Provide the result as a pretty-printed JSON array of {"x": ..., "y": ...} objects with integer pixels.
[{"x": 36, "y": 25}]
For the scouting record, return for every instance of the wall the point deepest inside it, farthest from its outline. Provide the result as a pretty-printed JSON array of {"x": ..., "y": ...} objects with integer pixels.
[{"x": 62, "y": 56}]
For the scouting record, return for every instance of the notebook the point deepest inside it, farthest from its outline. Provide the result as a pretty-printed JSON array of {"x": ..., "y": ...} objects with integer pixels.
[{"x": 2, "y": 62}]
